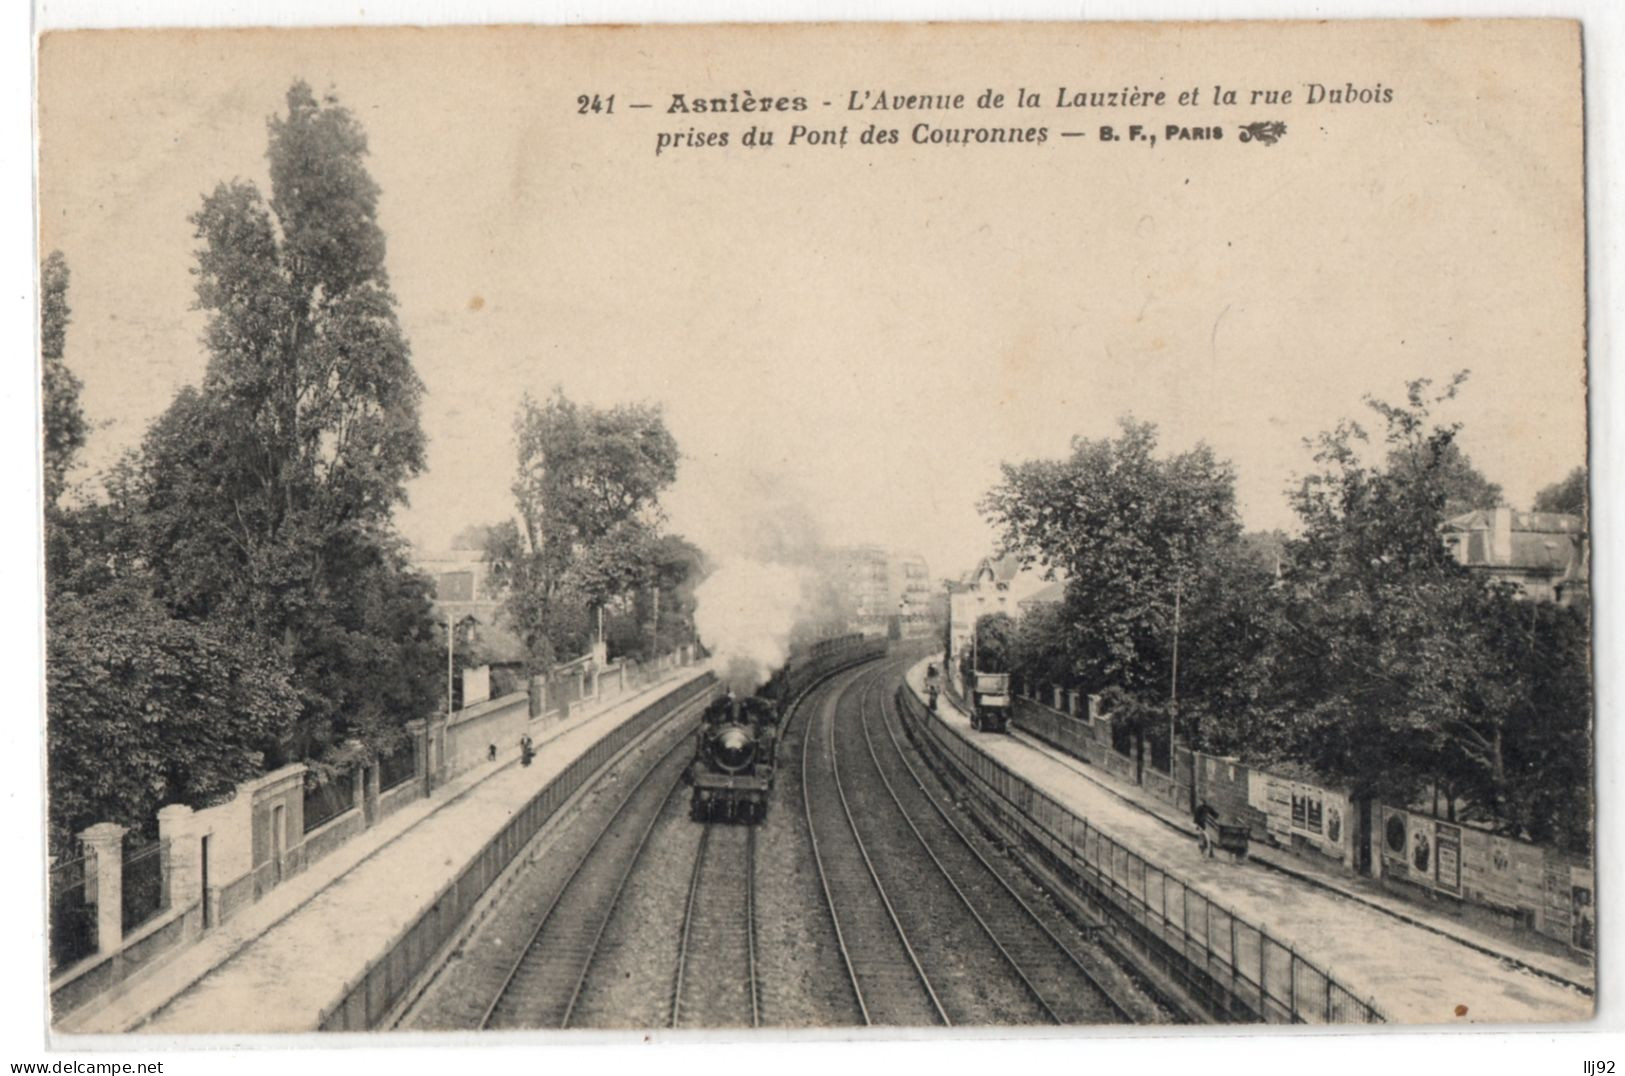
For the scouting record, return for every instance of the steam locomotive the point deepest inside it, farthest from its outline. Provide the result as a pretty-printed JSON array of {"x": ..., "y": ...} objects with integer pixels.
[{"x": 735, "y": 755}]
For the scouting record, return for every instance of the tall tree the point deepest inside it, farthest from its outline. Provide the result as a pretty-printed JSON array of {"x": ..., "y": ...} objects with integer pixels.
[
  {"x": 145, "y": 708},
  {"x": 142, "y": 708},
  {"x": 1135, "y": 533},
  {"x": 587, "y": 493},
  {"x": 63, "y": 420},
  {"x": 1567, "y": 496},
  {"x": 269, "y": 489},
  {"x": 1384, "y": 662},
  {"x": 1465, "y": 488}
]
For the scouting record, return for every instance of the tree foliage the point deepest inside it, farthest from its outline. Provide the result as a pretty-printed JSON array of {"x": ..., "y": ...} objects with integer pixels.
[
  {"x": 146, "y": 709},
  {"x": 1358, "y": 646},
  {"x": 587, "y": 493},
  {"x": 1568, "y": 496},
  {"x": 64, "y": 424},
  {"x": 1135, "y": 534},
  {"x": 993, "y": 643},
  {"x": 1465, "y": 488},
  {"x": 264, "y": 496},
  {"x": 1376, "y": 660},
  {"x": 143, "y": 707}
]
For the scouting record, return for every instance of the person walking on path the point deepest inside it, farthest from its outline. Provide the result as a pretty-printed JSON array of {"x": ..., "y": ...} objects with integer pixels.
[{"x": 1206, "y": 816}]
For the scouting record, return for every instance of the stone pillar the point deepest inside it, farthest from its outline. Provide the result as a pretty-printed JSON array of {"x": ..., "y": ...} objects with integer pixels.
[
  {"x": 438, "y": 763},
  {"x": 358, "y": 789},
  {"x": 185, "y": 852},
  {"x": 1094, "y": 708},
  {"x": 105, "y": 841},
  {"x": 1055, "y": 696},
  {"x": 1072, "y": 702}
]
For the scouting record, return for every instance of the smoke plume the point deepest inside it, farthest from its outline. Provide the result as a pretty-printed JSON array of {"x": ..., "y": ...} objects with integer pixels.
[
  {"x": 746, "y": 615},
  {"x": 771, "y": 588}
]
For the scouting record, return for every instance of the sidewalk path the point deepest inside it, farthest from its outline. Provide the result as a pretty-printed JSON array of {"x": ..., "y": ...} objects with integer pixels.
[
  {"x": 1414, "y": 973},
  {"x": 1553, "y": 965},
  {"x": 278, "y": 963}
]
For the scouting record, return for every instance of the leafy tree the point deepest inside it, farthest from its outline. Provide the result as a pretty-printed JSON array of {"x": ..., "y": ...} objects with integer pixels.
[
  {"x": 1230, "y": 634},
  {"x": 1567, "y": 496},
  {"x": 994, "y": 642},
  {"x": 1384, "y": 662},
  {"x": 1137, "y": 536},
  {"x": 267, "y": 492},
  {"x": 1465, "y": 488},
  {"x": 587, "y": 492},
  {"x": 147, "y": 709},
  {"x": 1039, "y": 653},
  {"x": 1537, "y": 774},
  {"x": 63, "y": 420}
]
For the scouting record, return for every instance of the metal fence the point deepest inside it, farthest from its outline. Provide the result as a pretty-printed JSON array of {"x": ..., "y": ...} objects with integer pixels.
[
  {"x": 326, "y": 801},
  {"x": 73, "y": 916},
  {"x": 146, "y": 892},
  {"x": 1235, "y": 965},
  {"x": 368, "y": 1000},
  {"x": 397, "y": 768}
]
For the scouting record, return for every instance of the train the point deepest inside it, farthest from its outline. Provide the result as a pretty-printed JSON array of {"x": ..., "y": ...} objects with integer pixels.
[
  {"x": 736, "y": 747},
  {"x": 735, "y": 759}
]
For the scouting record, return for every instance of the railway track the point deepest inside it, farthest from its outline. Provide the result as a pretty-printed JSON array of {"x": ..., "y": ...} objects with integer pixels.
[
  {"x": 888, "y": 982},
  {"x": 1049, "y": 966},
  {"x": 545, "y": 981},
  {"x": 716, "y": 958},
  {"x": 978, "y": 980}
]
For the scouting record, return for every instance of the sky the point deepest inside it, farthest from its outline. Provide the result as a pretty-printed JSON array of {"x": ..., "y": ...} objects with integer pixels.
[{"x": 864, "y": 335}]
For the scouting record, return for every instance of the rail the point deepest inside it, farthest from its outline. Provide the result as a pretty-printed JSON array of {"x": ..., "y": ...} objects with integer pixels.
[
  {"x": 386, "y": 981},
  {"x": 942, "y": 868},
  {"x": 822, "y": 867},
  {"x": 526, "y": 951},
  {"x": 965, "y": 842},
  {"x": 699, "y": 908},
  {"x": 1244, "y": 972}
]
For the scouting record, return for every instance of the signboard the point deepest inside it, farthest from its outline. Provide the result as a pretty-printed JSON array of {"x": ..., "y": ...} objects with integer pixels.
[
  {"x": 1420, "y": 858},
  {"x": 1395, "y": 841},
  {"x": 1447, "y": 848},
  {"x": 1582, "y": 909}
]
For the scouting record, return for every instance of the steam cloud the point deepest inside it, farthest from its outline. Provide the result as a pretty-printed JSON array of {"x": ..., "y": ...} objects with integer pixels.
[
  {"x": 747, "y": 613},
  {"x": 770, "y": 591}
]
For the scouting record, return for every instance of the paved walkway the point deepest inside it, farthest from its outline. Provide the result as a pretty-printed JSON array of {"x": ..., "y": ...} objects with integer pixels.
[
  {"x": 276, "y": 965},
  {"x": 1419, "y": 968}
]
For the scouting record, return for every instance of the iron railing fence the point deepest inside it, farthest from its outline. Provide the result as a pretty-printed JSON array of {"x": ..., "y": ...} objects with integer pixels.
[
  {"x": 398, "y": 767},
  {"x": 1220, "y": 955},
  {"x": 146, "y": 878},
  {"x": 327, "y": 800},
  {"x": 73, "y": 913},
  {"x": 369, "y": 999}
]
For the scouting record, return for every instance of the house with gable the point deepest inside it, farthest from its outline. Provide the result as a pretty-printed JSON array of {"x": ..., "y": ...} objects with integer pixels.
[
  {"x": 1546, "y": 555},
  {"x": 995, "y": 585}
]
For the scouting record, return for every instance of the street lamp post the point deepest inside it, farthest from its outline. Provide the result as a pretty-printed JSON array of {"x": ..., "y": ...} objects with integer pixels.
[
  {"x": 428, "y": 762},
  {"x": 1173, "y": 678}
]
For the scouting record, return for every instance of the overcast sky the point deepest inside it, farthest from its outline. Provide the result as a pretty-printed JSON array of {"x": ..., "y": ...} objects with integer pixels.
[{"x": 866, "y": 334}]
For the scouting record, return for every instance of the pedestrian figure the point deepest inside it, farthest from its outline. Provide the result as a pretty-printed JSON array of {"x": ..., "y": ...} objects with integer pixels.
[
  {"x": 491, "y": 753},
  {"x": 1206, "y": 817},
  {"x": 526, "y": 751}
]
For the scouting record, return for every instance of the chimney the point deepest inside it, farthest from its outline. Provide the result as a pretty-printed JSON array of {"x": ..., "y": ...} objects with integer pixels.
[{"x": 1500, "y": 535}]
